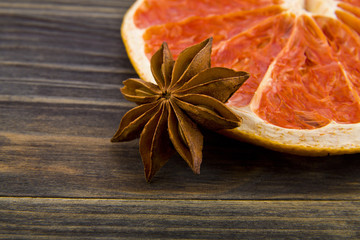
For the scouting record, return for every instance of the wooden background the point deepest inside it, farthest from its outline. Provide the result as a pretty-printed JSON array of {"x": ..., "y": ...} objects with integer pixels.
[{"x": 62, "y": 63}]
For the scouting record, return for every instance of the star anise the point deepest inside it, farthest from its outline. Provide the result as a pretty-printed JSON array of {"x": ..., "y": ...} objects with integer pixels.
[{"x": 188, "y": 92}]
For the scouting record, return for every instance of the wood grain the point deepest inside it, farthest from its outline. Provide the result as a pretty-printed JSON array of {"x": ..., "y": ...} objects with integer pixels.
[
  {"x": 164, "y": 219},
  {"x": 62, "y": 63},
  {"x": 64, "y": 165}
]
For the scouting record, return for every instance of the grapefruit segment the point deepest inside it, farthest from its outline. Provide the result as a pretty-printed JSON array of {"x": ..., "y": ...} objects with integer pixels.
[
  {"x": 351, "y": 2},
  {"x": 253, "y": 51},
  {"x": 350, "y": 8},
  {"x": 344, "y": 44},
  {"x": 156, "y": 12},
  {"x": 182, "y": 34},
  {"x": 303, "y": 56},
  {"x": 350, "y": 19},
  {"x": 308, "y": 87}
]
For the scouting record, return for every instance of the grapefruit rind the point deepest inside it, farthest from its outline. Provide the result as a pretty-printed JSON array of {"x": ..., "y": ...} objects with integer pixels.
[
  {"x": 135, "y": 45},
  {"x": 332, "y": 139}
]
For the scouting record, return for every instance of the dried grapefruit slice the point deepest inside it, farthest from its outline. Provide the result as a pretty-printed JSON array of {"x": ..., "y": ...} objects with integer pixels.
[{"x": 303, "y": 95}]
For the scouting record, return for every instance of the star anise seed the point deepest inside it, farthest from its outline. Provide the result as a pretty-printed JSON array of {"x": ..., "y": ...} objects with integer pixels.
[{"x": 188, "y": 93}]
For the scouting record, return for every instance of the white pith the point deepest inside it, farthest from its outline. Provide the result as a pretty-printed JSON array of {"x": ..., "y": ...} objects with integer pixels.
[
  {"x": 333, "y": 138},
  {"x": 311, "y": 7}
]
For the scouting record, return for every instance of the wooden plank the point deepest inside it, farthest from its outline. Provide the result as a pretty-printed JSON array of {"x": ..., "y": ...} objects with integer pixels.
[
  {"x": 37, "y": 218},
  {"x": 51, "y": 162}
]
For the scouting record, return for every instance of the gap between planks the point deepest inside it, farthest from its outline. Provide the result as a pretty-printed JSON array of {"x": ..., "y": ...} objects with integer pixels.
[
  {"x": 68, "y": 67},
  {"x": 278, "y": 200}
]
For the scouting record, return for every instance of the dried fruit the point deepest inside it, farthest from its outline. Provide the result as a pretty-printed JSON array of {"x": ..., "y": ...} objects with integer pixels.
[
  {"x": 303, "y": 96},
  {"x": 188, "y": 93}
]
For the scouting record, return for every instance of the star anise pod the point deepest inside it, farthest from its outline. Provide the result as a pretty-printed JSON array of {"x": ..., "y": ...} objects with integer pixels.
[{"x": 188, "y": 93}]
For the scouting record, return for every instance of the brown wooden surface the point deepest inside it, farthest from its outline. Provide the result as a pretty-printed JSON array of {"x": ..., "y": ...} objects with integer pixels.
[{"x": 62, "y": 63}]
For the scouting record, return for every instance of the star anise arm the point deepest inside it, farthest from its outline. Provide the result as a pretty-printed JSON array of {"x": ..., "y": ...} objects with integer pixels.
[
  {"x": 133, "y": 121},
  {"x": 207, "y": 111},
  {"x": 190, "y": 62},
  {"x": 209, "y": 81},
  {"x": 139, "y": 91},
  {"x": 167, "y": 65},
  {"x": 155, "y": 147},
  {"x": 155, "y": 64},
  {"x": 186, "y": 137},
  {"x": 161, "y": 66}
]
